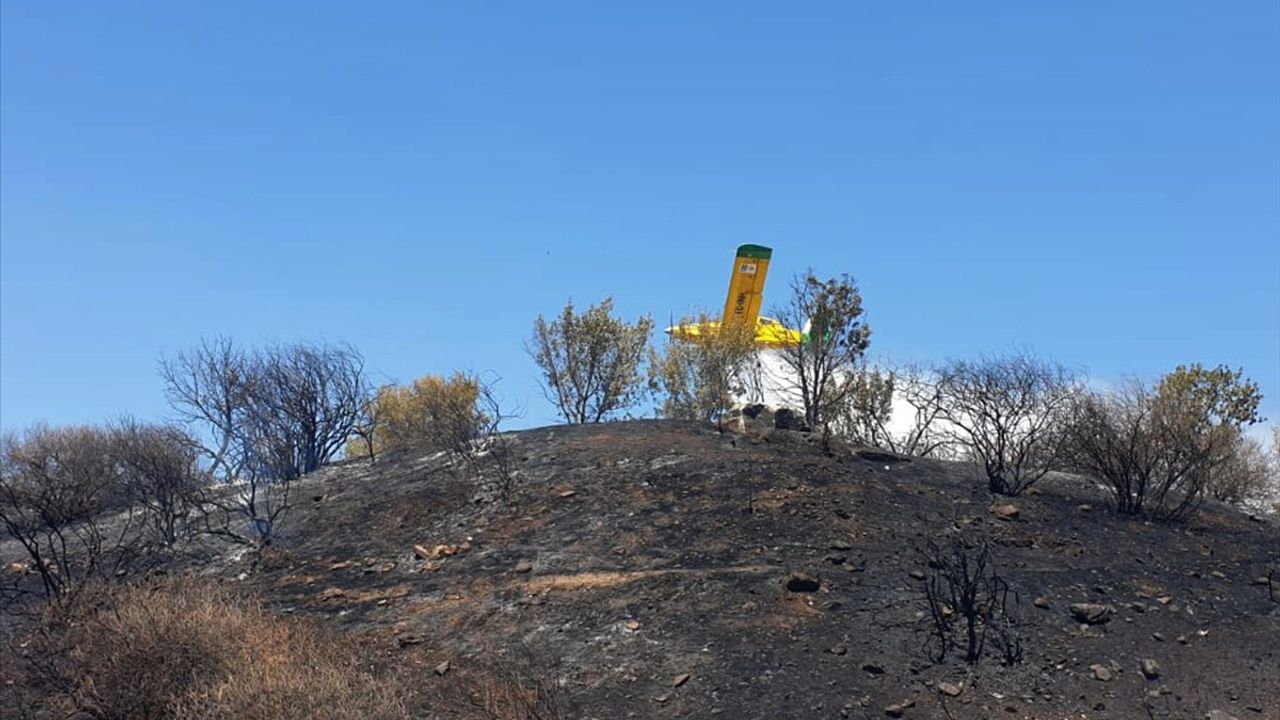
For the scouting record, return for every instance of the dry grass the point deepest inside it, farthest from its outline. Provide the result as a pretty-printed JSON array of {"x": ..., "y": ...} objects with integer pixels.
[
  {"x": 195, "y": 651},
  {"x": 192, "y": 650}
]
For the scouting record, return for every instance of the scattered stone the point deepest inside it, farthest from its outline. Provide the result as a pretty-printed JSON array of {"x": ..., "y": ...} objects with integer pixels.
[
  {"x": 1041, "y": 602},
  {"x": 1157, "y": 636},
  {"x": 917, "y": 574},
  {"x": 633, "y": 625},
  {"x": 1260, "y": 580},
  {"x": 1084, "y": 508},
  {"x": 799, "y": 582},
  {"x": 1150, "y": 668},
  {"x": 404, "y": 641},
  {"x": 1182, "y": 639},
  {"x": 524, "y": 566},
  {"x": 18, "y": 568},
  {"x": 568, "y": 493},
  {"x": 680, "y": 679},
  {"x": 1220, "y": 715},
  {"x": 897, "y": 709},
  {"x": 332, "y": 593},
  {"x": 1164, "y": 599},
  {"x": 442, "y": 668},
  {"x": 950, "y": 689},
  {"x": 422, "y": 552},
  {"x": 1091, "y": 613},
  {"x": 841, "y": 545},
  {"x": 1101, "y": 672},
  {"x": 1218, "y": 574},
  {"x": 1007, "y": 511},
  {"x": 873, "y": 668},
  {"x": 1137, "y": 607},
  {"x": 838, "y": 650}
]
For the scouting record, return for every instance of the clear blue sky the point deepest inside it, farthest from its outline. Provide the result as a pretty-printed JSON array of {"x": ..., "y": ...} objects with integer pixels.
[{"x": 1097, "y": 181}]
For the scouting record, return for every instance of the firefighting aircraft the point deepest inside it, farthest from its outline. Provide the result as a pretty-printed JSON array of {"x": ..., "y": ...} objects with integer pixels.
[{"x": 746, "y": 295}]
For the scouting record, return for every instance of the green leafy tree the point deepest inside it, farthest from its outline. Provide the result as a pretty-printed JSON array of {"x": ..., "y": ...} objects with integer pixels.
[
  {"x": 698, "y": 377},
  {"x": 824, "y": 367},
  {"x": 1159, "y": 451},
  {"x": 591, "y": 362}
]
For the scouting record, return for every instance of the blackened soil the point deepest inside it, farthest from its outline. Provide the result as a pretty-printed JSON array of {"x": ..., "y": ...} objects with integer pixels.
[{"x": 635, "y": 553}]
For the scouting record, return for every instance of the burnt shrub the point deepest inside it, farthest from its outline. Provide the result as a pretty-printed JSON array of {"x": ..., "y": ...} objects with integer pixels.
[{"x": 969, "y": 603}]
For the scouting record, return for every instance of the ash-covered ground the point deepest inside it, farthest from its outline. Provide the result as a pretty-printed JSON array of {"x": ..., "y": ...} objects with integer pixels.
[{"x": 646, "y": 566}]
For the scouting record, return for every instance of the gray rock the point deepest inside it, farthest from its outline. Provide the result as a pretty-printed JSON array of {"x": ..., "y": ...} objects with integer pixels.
[
  {"x": 1091, "y": 613},
  {"x": 1006, "y": 511}
]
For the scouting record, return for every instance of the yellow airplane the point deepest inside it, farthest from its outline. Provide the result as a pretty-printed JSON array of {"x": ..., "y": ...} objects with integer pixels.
[{"x": 746, "y": 295}]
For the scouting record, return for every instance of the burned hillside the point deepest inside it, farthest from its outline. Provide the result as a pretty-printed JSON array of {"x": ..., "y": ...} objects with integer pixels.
[{"x": 659, "y": 569}]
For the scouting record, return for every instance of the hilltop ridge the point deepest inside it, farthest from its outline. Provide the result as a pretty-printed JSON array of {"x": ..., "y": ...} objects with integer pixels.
[{"x": 662, "y": 569}]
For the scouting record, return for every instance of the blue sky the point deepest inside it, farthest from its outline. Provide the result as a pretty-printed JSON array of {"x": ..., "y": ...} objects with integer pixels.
[{"x": 1099, "y": 182}]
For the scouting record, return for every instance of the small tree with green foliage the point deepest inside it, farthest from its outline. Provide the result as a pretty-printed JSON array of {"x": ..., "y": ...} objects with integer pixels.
[
  {"x": 698, "y": 377},
  {"x": 824, "y": 368},
  {"x": 1158, "y": 450},
  {"x": 591, "y": 362}
]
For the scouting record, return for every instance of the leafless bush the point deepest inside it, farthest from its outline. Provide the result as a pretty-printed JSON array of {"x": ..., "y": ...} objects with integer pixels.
[
  {"x": 1010, "y": 414},
  {"x": 961, "y": 588},
  {"x": 272, "y": 415},
  {"x": 194, "y": 651},
  {"x": 306, "y": 399},
  {"x": 910, "y": 388},
  {"x": 209, "y": 387},
  {"x": 590, "y": 361},
  {"x": 56, "y": 487},
  {"x": 1158, "y": 450},
  {"x": 159, "y": 469},
  {"x": 483, "y": 448}
]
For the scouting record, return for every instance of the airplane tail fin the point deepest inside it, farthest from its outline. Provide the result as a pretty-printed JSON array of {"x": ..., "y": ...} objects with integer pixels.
[{"x": 746, "y": 285}]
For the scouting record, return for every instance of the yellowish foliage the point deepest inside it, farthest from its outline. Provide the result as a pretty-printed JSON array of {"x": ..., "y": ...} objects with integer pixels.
[
  {"x": 434, "y": 412},
  {"x": 698, "y": 377}
]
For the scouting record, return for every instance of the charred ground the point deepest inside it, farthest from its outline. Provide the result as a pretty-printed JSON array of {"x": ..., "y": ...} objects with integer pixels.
[
  {"x": 645, "y": 565},
  {"x": 656, "y": 569}
]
